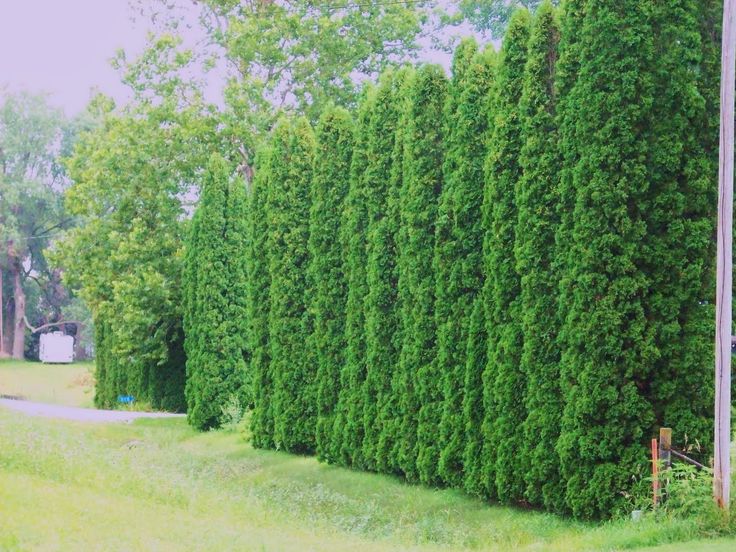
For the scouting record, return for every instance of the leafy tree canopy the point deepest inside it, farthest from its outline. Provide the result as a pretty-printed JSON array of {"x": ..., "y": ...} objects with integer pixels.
[
  {"x": 493, "y": 16},
  {"x": 33, "y": 135}
]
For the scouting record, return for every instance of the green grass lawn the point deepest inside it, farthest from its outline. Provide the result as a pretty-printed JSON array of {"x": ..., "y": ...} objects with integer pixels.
[
  {"x": 67, "y": 384},
  {"x": 158, "y": 485}
]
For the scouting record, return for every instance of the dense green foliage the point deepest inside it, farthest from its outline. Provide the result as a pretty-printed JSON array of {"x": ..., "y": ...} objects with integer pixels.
[
  {"x": 214, "y": 313},
  {"x": 382, "y": 328},
  {"x": 422, "y": 169},
  {"x": 500, "y": 283},
  {"x": 130, "y": 173},
  {"x": 678, "y": 247},
  {"x": 627, "y": 319},
  {"x": 536, "y": 200},
  {"x": 523, "y": 263},
  {"x": 457, "y": 258},
  {"x": 607, "y": 350},
  {"x": 258, "y": 305},
  {"x": 504, "y": 383},
  {"x": 287, "y": 212},
  {"x": 330, "y": 185},
  {"x": 347, "y": 435}
]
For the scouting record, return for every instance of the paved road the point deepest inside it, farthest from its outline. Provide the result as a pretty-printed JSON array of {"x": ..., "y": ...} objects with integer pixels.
[{"x": 78, "y": 414}]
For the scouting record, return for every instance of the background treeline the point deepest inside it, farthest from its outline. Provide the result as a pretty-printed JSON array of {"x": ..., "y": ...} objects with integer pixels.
[{"x": 502, "y": 282}]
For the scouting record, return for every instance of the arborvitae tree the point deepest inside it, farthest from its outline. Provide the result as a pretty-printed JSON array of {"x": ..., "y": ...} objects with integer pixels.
[
  {"x": 568, "y": 100},
  {"x": 213, "y": 282},
  {"x": 259, "y": 304},
  {"x": 294, "y": 403},
  {"x": 458, "y": 261},
  {"x": 386, "y": 301},
  {"x": 536, "y": 200},
  {"x": 423, "y": 157},
  {"x": 237, "y": 247},
  {"x": 473, "y": 403},
  {"x": 608, "y": 348},
  {"x": 403, "y": 386},
  {"x": 381, "y": 323},
  {"x": 330, "y": 184},
  {"x": 104, "y": 397},
  {"x": 678, "y": 248},
  {"x": 347, "y": 434},
  {"x": 504, "y": 421},
  {"x": 167, "y": 381}
]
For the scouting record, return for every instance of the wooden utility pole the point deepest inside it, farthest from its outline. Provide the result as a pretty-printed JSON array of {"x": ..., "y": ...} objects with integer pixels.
[{"x": 722, "y": 449}]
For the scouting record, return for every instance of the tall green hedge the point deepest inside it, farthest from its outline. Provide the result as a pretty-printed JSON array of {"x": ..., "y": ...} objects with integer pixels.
[
  {"x": 403, "y": 386},
  {"x": 537, "y": 200},
  {"x": 259, "y": 304},
  {"x": 287, "y": 207},
  {"x": 678, "y": 247},
  {"x": 502, "y": 283},
  {"x": 422, "y": 165},
  {"x": 330, "y": 184},
  {"x": 381, "y": 321},
  {"x": 347, "y": 436},
  {"x": 608, "y": 348},
  {"x": 390, "y": 408},
  {"x": 214, "y": 298},
  {"x": 504, "y": 422},
  {"x": 458, "y": 261}
]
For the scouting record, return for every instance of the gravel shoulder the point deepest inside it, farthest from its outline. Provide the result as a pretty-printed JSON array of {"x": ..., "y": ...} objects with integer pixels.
[{"x": 78, "y": 414}]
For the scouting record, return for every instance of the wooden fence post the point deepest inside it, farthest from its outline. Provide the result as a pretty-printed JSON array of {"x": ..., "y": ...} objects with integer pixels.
[
  {"x": 665, "y": 444},
  {"x": 655, "y": 473}
]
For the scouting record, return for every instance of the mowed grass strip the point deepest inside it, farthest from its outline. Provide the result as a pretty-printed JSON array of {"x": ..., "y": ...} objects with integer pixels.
[
  {"x": 66, "y": 384},
  {"x": 158, "y": 485}
]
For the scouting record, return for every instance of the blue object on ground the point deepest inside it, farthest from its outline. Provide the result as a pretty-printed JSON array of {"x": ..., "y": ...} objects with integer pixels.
[{"x": 125, "y": 399}]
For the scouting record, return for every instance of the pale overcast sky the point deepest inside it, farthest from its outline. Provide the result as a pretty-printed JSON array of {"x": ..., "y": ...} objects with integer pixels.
[{"x": 63, "y": 47}]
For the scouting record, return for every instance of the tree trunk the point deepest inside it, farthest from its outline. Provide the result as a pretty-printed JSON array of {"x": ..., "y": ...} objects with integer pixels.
[
  {"x": 3, "y": 352},
  {"x": 19, "y": 296}
]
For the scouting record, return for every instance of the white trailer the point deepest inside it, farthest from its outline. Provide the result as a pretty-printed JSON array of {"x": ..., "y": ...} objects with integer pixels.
[{"x": 56, "y": 348}]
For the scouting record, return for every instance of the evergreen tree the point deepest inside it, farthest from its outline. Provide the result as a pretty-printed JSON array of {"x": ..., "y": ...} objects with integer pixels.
[
  {"x": 294, "y": 404},
  {"x": 213, "y": 282},
  {"x": 607, "y": 355},
  {"x": 423, "y": 157},
  {"x": 237, "y": 247},
  {"x": 103, "y": 370},
  {"x": 259, "y": 285},
  {"x": 536, "y": 200},
  {"x": 503, "y": 422},
  {"x": 347, "y": 434},
  {"x": 403, "y": 454},
  {"x": 458, "y": 260},
  {"x": 568, "y": 100},
  {"x": 678, "y": 248},
  {"x": 168, "y": 380},
  {"x": 389, "y": 405},
  {"x": 381, "y": 324},
  {"x": 474, "y": 481},
  {"x": 329, "y": 187}
]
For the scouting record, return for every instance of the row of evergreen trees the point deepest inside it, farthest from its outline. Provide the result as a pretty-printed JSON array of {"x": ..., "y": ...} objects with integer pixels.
[
  {"x": 500, "y": 283},
  {"x": 161, "y": 386}
]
